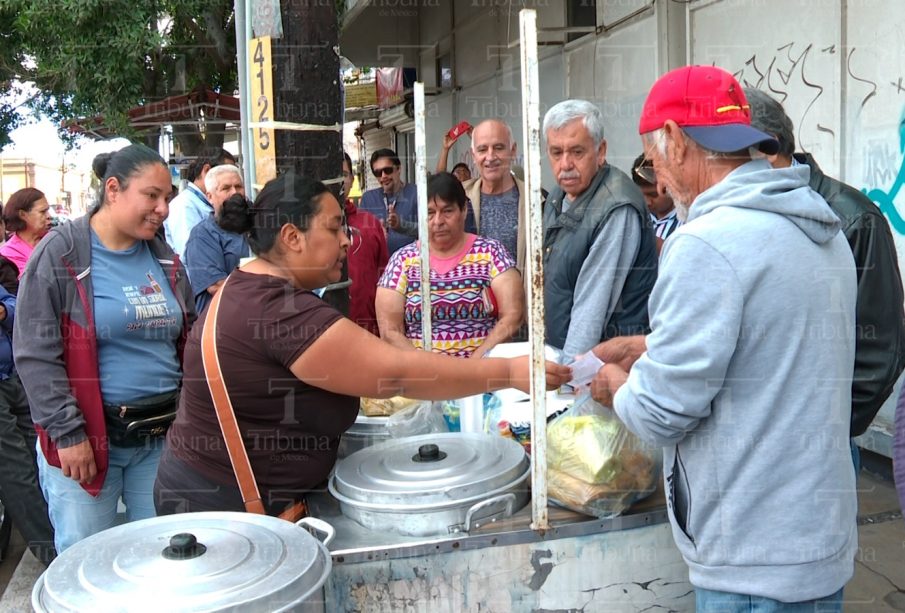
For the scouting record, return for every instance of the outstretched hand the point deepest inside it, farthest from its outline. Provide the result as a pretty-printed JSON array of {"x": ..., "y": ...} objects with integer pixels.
[{"x": 520, "y": 374}]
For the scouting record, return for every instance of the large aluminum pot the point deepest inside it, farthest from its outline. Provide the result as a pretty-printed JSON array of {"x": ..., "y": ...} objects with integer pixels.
[
  {"x": 366, "y": 431},
  {"x": 433, "y": 484},
  {"x": 192, "y": 562}
]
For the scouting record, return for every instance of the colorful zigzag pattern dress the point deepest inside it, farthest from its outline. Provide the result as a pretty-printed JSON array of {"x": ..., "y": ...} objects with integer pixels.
[{"x": 462, "y": 307}]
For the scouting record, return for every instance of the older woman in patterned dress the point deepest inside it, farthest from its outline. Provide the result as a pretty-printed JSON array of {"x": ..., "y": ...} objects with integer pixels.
[{"x": 477, "y": 300}]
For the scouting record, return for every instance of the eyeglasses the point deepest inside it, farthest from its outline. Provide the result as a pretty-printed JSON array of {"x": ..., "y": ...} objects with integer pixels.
[
  {"x": 645, "y": 169},
  {"x": 385, "y": 171},
  {"x": 646, "y": 172}
]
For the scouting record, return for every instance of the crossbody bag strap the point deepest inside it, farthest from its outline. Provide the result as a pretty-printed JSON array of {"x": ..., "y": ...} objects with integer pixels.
[{"x": 226, "y": 416}]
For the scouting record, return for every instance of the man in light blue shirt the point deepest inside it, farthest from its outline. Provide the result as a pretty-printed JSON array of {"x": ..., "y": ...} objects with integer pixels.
[
  {"x": 191, "y": 205},
  {"x": 213, "y": 250}
]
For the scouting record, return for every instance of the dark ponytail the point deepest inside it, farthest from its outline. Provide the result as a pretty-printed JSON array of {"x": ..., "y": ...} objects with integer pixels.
[
  {"x": 236, "y": 215},
  {"x": 99, "y": 165}
]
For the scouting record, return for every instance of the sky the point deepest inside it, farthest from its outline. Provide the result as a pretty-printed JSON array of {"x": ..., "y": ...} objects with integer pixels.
[{"x": 39, "y": 141}]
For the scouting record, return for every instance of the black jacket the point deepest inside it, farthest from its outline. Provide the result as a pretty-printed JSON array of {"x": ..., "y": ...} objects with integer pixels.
[{"x": 880, "y": 316}]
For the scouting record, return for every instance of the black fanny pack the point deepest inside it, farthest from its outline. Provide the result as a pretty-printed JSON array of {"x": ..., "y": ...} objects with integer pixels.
[{"x": 135, "y": 423}]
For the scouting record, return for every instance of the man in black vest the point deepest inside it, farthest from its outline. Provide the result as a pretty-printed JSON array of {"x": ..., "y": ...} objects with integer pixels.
[{"x": 600, "y": 256}]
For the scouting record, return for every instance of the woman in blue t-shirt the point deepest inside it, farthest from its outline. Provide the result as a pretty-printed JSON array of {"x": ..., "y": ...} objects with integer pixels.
[{"x": 99, "y": 354}]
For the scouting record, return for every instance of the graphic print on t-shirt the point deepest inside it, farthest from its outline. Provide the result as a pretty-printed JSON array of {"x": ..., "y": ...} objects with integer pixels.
[{"x": 149, "y": 306}]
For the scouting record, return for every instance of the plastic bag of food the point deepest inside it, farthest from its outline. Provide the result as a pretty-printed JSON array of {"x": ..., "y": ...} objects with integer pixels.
[
  {"x": 424, "y": 417},
  {"x": 451, "y": 411},
  {"x": 381, "y": 407},
  {"x": 594, "y": 464}
]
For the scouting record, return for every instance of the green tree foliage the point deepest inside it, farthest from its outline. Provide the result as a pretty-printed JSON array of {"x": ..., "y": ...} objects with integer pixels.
[
  {"x": 99, "y": 58},
  {"x": 11, "y": 57}
]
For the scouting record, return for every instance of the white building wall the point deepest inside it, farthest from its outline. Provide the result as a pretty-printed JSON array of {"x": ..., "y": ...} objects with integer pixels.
[{"x": 615, "y": 71}]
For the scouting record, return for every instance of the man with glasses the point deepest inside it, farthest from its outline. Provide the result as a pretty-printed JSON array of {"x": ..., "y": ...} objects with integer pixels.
[
  {"x": 394, "y": 203},
  {"x": 367, "y": 256},
  {"x": 662, "y": 210},
  {"x": 600, "y": 258}
]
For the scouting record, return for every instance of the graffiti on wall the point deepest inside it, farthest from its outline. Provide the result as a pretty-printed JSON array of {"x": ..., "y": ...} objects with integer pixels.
[
  {"x": 781, "y": 72},
  {"x": 788, "y": 70},
  {"x": 885, "y": 198}
]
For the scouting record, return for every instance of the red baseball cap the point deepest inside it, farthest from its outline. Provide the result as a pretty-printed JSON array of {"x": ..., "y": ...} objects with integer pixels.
[{"x": 709, "y": 105}]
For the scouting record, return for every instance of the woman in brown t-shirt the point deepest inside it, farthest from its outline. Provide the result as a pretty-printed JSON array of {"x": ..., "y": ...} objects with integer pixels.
[{"x": 294, "y": 367}]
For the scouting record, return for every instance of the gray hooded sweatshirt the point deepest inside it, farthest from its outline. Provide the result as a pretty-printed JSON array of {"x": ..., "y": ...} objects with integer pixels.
[{"x": 746, "y": 383}]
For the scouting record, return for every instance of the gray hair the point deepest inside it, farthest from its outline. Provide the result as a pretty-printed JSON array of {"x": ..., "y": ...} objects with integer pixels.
[
  {"x": 767, "y": 115},
  {"x": 567, "y": 111},
  {"x": 210, "y": 179}
]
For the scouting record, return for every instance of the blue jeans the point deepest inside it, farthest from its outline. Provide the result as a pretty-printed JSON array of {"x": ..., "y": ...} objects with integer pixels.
[
  {"x": 76, "y": 514},
  {"x": 709, "y": 601}
]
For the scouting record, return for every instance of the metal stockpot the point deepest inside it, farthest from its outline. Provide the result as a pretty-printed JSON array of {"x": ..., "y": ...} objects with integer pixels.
[
  {"x": 192, "y": 562},
  {"x": 433, "y": 484},
  {"x": 366, "y": 431}
]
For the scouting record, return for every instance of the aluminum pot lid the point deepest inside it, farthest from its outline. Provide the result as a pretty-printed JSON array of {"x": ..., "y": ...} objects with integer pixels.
[
  {"x": 189, "y": 562},
  {"x": 429, "y": 471}
]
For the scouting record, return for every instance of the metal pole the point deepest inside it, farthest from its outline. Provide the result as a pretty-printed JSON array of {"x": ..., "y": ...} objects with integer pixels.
[
  {"x": 531, "y": 138},
  {"x": 243, "y": 25},
  {"x": 421, "y": 183}
]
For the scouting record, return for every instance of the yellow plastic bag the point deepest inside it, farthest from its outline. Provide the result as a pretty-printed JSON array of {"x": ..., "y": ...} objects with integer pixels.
[{"x": 594, "y": 464}]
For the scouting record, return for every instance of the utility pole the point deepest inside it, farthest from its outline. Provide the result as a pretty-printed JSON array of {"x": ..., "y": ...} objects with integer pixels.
[{"x": 307, "y": 95}]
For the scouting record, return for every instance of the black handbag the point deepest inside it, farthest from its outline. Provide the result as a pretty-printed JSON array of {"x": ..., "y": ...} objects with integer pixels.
[{"x": 136, "y": 423}]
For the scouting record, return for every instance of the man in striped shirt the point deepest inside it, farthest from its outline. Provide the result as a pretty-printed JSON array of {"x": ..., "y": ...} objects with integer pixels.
[{"x": 662, "y": 212}]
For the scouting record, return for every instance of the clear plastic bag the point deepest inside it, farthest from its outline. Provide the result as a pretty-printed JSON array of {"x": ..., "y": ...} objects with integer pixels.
[
  {"x": 594, "y": 464},
  {"x": 424, "y": 417}
]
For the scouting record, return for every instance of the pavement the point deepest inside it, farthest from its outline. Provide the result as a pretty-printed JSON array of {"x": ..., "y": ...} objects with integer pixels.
[{"x": 877, "y": 587}]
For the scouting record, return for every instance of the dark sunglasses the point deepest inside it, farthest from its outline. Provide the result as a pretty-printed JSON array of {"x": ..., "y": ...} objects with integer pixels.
[{"x": 386, "y": 170}]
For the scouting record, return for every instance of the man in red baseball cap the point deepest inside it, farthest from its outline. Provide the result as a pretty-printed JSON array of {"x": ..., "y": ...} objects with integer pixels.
[{"x": 745, "y": 379}]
